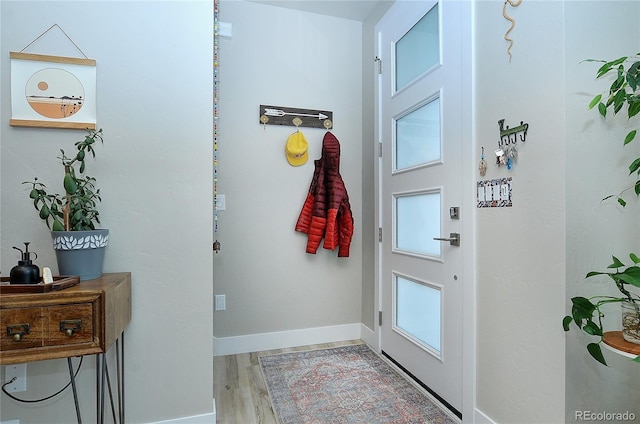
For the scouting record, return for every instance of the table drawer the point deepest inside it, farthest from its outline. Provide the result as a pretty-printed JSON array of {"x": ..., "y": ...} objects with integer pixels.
[
  {"x": 84, "y": 319},
  {"x": 23, "y": 328},
  {"x": 57, "y": 325},
  {"x": 70, "y": 324}
]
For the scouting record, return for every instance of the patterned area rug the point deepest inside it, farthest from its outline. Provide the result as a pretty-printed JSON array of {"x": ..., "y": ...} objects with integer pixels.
[{"x": 349, "y": 384}]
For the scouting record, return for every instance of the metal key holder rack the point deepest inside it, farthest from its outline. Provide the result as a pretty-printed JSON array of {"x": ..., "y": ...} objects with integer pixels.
[{"x": 507, "y": 152}]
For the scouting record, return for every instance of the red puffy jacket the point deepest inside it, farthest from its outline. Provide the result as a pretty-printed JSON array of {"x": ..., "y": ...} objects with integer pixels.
[{"x": 326, "y": 211}]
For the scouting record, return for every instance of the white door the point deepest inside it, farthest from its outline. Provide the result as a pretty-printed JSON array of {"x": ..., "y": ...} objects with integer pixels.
[{"x": 420, "y": 126}]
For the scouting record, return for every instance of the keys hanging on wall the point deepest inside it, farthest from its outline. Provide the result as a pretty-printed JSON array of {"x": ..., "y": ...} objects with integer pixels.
[{"x": 507, "y": 152}]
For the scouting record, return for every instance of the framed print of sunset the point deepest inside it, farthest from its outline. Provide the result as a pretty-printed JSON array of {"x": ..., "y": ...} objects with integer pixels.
[{"x": 52, "y": 91}]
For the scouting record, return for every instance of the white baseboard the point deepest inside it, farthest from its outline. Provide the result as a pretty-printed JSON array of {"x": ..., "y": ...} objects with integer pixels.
[
  {"x": 481, "y": 418},
  {"x": 284, "y": 339},
  {"x": 196, "y": 419},
  {"x": 369, "y": 337}
]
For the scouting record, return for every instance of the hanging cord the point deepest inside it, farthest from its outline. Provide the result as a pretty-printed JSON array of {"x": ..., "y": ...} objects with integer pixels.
[
  {"x": 216, "y": 90},
  {"x": 513, "y": 3},
  {"x": 43, "y": 399},
  {"x": 50, "y": 28}
]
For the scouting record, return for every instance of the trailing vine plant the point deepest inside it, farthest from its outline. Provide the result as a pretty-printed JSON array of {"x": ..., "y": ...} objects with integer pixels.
[
  {"x": 623, "y": 96},
  {"x": 624, "y": 91}
]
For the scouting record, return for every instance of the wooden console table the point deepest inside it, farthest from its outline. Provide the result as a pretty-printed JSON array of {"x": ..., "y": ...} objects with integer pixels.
[{"x": 85, "y": 319}]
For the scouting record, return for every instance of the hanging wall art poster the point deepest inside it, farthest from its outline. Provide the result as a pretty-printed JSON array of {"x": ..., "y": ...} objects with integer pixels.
[{"x": 52, "y": 91}]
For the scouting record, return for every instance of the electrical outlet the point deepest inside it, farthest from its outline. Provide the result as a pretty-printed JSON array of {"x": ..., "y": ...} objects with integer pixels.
[
  {"x": 221, "y": 302},
  {"x": 19, "y": 371}
]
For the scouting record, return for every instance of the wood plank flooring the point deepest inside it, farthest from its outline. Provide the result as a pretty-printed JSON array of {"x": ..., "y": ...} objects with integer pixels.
[{"x": 239, "y": 388}]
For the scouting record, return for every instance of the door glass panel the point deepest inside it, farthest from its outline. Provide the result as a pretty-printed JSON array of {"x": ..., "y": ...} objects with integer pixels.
[
  {"x": 417, "y": 223},
  {"x": 418, "y": 50},
  {"x": 418, "y": 312},
  {"x": 417, "y": 140}
]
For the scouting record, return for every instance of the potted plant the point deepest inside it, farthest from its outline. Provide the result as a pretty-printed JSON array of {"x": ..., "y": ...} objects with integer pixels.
[
  {"x": 72, "y": 217},
  {"x": 587, "y": 313}
]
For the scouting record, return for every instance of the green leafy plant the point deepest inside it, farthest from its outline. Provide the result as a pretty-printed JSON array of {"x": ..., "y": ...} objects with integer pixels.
[
  {"x": 587, "y": 313},
  {"x": 76, "y": 209},
  {"x": 623, "y": 95}
]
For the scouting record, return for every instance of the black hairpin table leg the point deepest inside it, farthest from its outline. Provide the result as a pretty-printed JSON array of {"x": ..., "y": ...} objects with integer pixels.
[{"x": 75, "y": 391}]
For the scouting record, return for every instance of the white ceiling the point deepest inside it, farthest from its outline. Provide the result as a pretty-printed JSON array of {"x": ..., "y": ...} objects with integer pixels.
[{"x": 356, "y": 10}]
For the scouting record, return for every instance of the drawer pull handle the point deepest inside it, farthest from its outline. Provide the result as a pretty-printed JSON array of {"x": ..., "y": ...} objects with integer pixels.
[
  {"x": 70, "y": 326},
  {"x": 17, "y": 331}
]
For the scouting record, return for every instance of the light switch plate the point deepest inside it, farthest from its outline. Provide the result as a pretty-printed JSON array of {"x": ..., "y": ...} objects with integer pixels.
[
  {"x": 225, "y": 29},
  {"x": 220, "y": 302},
  {"x": 221, "y": 202},
  {"x": 495, "y": 193}
]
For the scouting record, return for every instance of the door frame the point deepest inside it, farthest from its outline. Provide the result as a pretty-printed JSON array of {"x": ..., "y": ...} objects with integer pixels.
[{"x": 470, "y": 157}]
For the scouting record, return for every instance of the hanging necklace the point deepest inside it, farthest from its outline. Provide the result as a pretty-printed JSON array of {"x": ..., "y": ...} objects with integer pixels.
[{"x": 483, "y": 164}]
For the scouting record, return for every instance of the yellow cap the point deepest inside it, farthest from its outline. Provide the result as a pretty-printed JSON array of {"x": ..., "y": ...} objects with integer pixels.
[{"x": 297, "y": 149}]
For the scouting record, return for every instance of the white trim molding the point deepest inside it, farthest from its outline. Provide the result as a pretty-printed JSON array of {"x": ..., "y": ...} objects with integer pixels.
[
  {"x": 196, "y": 419},
  {"x": 480, "y": 418},
  {"x": 284, "y": 339},
  {"x": 369, "y": 337}
]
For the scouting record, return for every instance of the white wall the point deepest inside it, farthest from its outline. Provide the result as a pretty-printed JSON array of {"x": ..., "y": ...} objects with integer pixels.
[
  {"x": 1, "y": 115},
  {"x": 521, "y": 249},
  {"x": 596, "y": 164},
  {"x": 282, "y": 57},
  {"x": 532, "y": 258},
  {"x": 154, "y": 79}
]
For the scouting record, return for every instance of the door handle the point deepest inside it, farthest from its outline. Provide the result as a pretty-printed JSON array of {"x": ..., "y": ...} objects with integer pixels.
[{"x": 453, "y": 239}]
